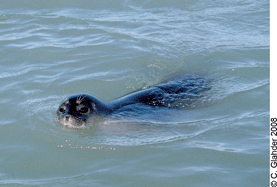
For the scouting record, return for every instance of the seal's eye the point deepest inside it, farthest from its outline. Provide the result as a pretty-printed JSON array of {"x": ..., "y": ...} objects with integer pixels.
[
  {"x": 62, "y": 109},
  {"x": 83, "y": 110}
]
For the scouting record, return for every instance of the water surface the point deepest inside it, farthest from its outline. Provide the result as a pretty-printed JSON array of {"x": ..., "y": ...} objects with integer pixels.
[{"x": 53, "y": 49}]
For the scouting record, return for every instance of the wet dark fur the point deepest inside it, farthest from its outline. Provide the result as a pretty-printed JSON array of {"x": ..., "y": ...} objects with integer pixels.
[{"x": 179, "y": 93}]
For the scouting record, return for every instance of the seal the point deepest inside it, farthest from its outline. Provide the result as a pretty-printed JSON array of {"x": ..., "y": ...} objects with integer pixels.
[{"x": 181, "y": 93}]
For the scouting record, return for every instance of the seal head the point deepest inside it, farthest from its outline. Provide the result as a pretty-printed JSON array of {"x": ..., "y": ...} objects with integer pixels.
[{"x": 77, "y": 109}]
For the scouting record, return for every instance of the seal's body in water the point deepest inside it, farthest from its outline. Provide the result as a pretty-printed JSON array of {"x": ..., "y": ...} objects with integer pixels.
[{"x": 179, "y": 93}]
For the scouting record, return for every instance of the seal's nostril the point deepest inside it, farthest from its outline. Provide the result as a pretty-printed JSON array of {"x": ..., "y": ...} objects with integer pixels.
[{"x": 67, "y": 117}]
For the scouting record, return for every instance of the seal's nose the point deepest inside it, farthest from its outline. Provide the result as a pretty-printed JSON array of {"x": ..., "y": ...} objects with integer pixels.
[{"x": 67, "y": 117}]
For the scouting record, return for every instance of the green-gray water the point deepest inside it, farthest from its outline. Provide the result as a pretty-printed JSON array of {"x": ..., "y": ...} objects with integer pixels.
[{"x": 54, "y": 49}]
